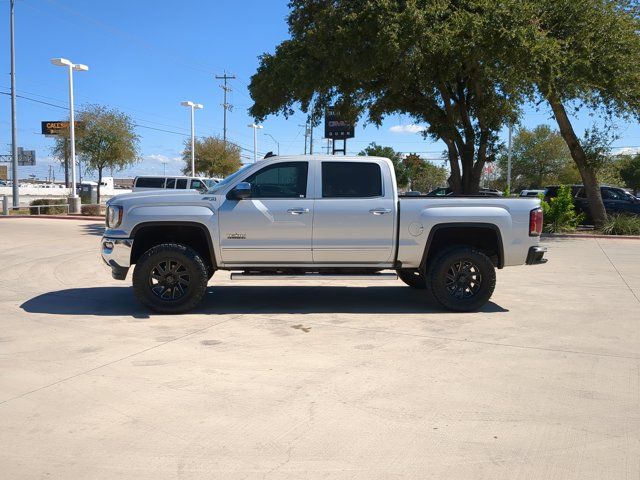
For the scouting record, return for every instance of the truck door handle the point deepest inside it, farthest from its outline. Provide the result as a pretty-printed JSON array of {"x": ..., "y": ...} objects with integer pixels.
[
  {"x": 379, "y": 211},
  {"x": 298, "y": 211}
]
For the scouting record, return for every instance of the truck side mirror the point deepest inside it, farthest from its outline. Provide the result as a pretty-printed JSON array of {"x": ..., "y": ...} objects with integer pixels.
[{"x": 240, "y": 191}]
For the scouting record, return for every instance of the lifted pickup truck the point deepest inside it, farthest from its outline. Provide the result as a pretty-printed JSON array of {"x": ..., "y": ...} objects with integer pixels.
[{"x": 323, "y": 216}]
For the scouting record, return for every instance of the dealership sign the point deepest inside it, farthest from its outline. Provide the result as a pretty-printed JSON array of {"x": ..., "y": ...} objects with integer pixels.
[
  {"x": 335, "y": 127},
  {"x": 56, "y": 128}
]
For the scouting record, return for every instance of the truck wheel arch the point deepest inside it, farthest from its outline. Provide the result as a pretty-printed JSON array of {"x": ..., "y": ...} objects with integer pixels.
[
  {"x": 193, "y": 234},
  {"x": 486, "y": 237}
]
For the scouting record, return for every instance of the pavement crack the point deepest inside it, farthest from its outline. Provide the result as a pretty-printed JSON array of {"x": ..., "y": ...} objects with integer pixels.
[{"x": 618, "y": 272}]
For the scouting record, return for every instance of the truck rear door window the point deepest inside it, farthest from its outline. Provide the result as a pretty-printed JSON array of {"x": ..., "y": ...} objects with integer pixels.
[
  {"x": 280, "y": 180},
  {"x": 351, "y": 180},
  {"x": 150, "y": 182}
]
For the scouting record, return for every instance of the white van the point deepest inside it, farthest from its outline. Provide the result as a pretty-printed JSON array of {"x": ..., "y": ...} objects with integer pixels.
[{"x": 157, "y": 182}]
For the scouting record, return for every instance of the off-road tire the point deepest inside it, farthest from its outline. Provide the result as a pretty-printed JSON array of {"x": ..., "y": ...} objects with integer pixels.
[
  {"x": 178, "y": 296},
  {"x": 413, "y": 278},
  {"x": 467, "y": 264}
]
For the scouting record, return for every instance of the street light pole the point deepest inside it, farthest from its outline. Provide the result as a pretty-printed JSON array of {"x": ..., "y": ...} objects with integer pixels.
[
  {"x": 255, "y": 140},
  {"x": 193, "y": 106},
  {"x": 63, "y": 62},
  {"x": 277, "y": 143},
  {"x": 14, "y": 127}
]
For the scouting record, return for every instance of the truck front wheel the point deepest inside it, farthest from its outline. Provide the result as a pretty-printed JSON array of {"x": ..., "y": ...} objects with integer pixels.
[
  {"x": 461, "y": 278},
  {"x": 413, "y": 278},
  {"x": 170, "y": 278}
]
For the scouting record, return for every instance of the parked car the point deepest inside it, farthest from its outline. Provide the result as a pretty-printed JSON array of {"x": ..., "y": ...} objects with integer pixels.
[
  {"x": 531, "y": 193},
  {"x": 446, "y": 191},
  {"x": 615, "y": 199},
  {"x": 304, "y": 217},
  {"x": 158, "y": 182}
]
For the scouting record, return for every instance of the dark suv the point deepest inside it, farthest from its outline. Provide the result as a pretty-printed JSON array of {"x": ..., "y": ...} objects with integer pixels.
[{"x": 615, "y": 199}]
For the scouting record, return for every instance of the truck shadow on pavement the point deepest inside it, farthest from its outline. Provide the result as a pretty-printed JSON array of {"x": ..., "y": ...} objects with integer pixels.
[{"x": 221, "y": 300}]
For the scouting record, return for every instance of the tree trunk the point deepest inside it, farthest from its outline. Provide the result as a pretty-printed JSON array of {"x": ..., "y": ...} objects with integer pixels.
[
  {"x": 589, "y": 179},
  {"x": 99, "y": 182}
]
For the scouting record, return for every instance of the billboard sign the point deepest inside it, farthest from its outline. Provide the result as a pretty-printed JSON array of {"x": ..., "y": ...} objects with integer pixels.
[
  {"x": 53, "y": 128},
  {"x": 4, "y": 173},
  {"x": 26, "y": 158},
  {"x": 334, "y": 127}
]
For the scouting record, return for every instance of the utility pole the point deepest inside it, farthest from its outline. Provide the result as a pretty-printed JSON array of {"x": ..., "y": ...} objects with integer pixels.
[
  {"x": 225, "y": 106},
  {"x": 14, "y": 126},
  {"x": 306, "y": 133},
  {"x": 311, "y": 137}
]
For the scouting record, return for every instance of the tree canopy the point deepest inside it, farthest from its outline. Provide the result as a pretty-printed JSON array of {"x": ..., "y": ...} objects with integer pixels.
[
  {"x": 213, "y": 157},
  {"x": 434, "y": 61},
  {"x": 540, "y": 157},
  {"x": 630, "y": 173},
  {"x": 105, "y": 138}
]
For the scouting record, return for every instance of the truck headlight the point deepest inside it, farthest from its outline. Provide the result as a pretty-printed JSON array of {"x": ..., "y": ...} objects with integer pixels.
[{"x": 114, "y": 216}]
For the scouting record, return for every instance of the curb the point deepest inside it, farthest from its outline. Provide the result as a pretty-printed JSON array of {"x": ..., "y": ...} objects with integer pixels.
[
  {"x": 56, "y": 217},
  {"x": 585, "y": 235}
]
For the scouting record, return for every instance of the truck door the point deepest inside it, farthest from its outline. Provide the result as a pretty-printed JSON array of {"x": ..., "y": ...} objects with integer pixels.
[
  {"x": 274, "y": 224},
  {"x": 354, "y": 216}
]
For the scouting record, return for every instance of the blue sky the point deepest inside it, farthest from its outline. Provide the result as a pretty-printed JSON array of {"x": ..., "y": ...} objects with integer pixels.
[{"x": 146, "y": 56}]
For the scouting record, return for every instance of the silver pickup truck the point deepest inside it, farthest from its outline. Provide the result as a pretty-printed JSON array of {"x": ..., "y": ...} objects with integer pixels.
[{"x": 317, "y": 216}]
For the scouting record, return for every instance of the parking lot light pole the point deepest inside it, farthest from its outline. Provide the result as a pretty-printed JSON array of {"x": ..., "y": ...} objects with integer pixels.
[
  {"x": 63, "y": 62},
  {"x": 193, "y": 106},
  {"x": 255, "y": 140}
]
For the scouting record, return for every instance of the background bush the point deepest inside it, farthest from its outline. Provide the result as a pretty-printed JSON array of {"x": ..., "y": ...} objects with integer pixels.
[
  {"x": 560, "y": 213},
  {"x": 622, "y": 225},
  {"x": 90, "y": 210},
  {"x": 60, "y": 207}
]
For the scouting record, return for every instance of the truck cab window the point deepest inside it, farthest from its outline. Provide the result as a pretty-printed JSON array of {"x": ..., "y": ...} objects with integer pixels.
[
  {"x": 280, "y": 180},
  {"x": 351, "y": 180}
]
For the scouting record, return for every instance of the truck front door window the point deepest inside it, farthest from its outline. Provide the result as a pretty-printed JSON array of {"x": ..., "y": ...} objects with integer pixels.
[{"x": 282, "y": 180}]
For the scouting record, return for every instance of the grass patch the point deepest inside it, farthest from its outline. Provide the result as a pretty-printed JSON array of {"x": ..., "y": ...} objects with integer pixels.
[{"x": 622, "y": 225}]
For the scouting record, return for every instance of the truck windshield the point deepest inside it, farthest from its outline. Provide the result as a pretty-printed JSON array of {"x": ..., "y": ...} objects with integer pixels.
[{"x": 223, "y": 183}]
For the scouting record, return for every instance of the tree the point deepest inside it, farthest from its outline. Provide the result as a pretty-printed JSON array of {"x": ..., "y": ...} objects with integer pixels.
[
  {"x": 214, "y": 157},
  {"x": 540, "y": 157},
  {"x": 581, "y": 53},
  {"x": 434, "y": 61},
  {"x": 105, "y": 138},
  {"x": 423, "y": 176},
  {"x": 630, "y": 173},
  {"x": 375, "y": 150}
]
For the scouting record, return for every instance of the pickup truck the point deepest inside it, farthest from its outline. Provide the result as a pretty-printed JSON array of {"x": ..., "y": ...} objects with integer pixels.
[{"x": 317, "y": 216}]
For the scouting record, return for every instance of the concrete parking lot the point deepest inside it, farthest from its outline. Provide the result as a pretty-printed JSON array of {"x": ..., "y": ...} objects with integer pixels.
[{"x": 335, "y": 381}]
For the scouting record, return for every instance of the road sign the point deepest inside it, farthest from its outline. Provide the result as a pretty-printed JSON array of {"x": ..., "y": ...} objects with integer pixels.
[
  {"x": 26, "y": 158},
  {"x": 55, "y": 128},
  {"x": 336, "y": 128}
]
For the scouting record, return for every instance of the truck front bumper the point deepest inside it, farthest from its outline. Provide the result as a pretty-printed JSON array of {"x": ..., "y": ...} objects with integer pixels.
[
  {"x": 116, "y": 252},
  {"x": 535, "y": 255}
]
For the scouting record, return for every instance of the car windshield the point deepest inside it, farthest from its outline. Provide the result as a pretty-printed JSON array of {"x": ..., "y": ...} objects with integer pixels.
[{"x": 223, "y": 183}]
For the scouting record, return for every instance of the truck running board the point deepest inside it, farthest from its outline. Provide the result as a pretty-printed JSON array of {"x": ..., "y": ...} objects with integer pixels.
[{"x": 312, "y": 276}]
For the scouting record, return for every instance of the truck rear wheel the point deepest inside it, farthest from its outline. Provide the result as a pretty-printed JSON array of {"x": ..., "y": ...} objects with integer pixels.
[
  {"x": 413, "y": 278},
  {"x": 170, "y": 278},
  {"x": 461, "y": 278}
]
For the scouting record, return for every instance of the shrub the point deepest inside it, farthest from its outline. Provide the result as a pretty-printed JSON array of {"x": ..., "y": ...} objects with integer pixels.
[
  {"x": 90, "y": 210},
  {"x": 622, "y": 225},
  {"x": 58, "y": 208},
  {"x": 560, "y": 214}
]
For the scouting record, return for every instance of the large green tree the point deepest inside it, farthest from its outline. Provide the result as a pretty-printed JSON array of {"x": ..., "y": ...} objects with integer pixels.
[
  {"x": 630, "y": 173},
  {"x": 105, "y": 138},
  {"x": 540, "y": 157},
  {"x": 375, "y": 150},
  {"x": 435, "y": 61},
  {"x": 213, "y": 157},
  {"x": 591, "y": 58}
]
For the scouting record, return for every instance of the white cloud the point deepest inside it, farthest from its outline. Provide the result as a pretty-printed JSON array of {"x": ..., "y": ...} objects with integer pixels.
[
  {"x": 626, "y": 151},
  {"x": 159, "y": 158},
  {"x": 412, "y": 128}
]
